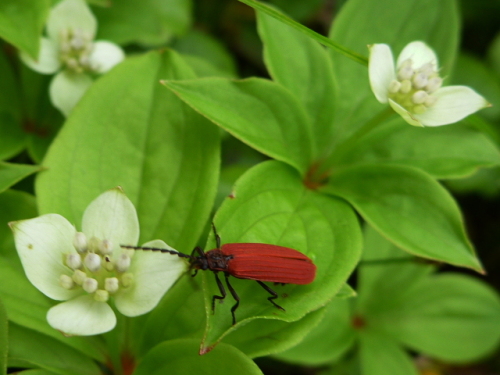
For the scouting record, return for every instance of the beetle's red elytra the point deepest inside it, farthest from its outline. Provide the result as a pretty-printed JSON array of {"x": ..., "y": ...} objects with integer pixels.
[{"x": 253, "y": 261}]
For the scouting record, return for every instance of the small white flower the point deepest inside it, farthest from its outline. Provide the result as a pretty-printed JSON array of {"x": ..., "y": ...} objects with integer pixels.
[
  {"x": 413, "y": 89},
  {"x": 70, "y": 49},
  {"x": 70, "y": 266}
]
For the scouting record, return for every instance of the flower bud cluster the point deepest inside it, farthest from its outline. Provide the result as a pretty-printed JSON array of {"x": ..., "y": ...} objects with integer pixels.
[
  {"x": 75, "y": 49},
  {"x": 413, "y": 88},
  {"x": 94, "y": 269}
]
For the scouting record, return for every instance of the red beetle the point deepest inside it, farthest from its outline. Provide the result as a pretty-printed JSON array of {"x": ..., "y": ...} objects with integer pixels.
[{"x": 254, "y": 261}]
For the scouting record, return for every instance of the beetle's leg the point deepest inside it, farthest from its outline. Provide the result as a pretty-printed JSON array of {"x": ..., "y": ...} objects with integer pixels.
[
  {"x": 274, "y": 294},
  {"x": 198, "y": 250},
  {"x": 217, "y": 237},
  {"x": 235, "y": 296},
  {"x": 195, "y": 272},
  {"x": 222, "y": 291}
]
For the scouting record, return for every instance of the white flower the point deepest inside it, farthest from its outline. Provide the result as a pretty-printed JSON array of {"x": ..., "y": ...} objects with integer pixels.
[
  {"x": 414, "y": 89},
  {"x": 70, "y": 49},
  {"x": 86, "y": 268}
]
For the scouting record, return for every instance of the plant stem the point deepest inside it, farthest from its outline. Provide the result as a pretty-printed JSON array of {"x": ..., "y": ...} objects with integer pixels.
[{"x": 297, "y": 26}]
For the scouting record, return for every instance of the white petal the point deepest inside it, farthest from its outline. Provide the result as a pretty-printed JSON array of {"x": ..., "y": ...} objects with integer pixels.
[
  {"x": 71, "y": 15},
  {"x": 410, "y": 118},
  {"x": 112, "y": 216},
  {"x": 42, "y": 243},
  {"x": 104, "y": 56},
  {"x": 154, "y": 274},
  {"x": 420, "y": 53},
  {"x": 48, "y": 58},
  {"x": 381, "y": 70},
  {"x": 82, "y": 316},
  {"x": 453, "y": 104},
  {"x": 66, "y": 90}
]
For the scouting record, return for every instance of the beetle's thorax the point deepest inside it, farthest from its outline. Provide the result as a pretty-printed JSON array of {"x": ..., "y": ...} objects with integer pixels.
[{"x": 215, "y": 260}]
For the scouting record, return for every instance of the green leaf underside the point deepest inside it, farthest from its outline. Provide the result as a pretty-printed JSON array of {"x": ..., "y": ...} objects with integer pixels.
[
  {"x": 434, "y": 22},
  {"x": 328, "y": 341},
  {"x": 259, "y": 112},
  {"x": 47, "y": 353},
  {"x": 21, "y": 23},
  {"x": 153, "y": 23},
  {"x": 395, "y": 142},
  {"x": 181, "y": 357},
  {"x": 408, "y": 207},
  {"x": 270, "y": 205},
  {"x": 132, "y": 132},
  {"x": 11, "y": 173},
  {"x": 308, "y": 75}
]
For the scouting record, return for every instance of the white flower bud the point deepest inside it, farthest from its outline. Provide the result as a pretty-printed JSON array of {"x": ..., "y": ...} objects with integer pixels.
[
  {"x": 90, "y": 285},
  {"x": 74, "y": 261},
  {"x": 101, "y": 295},
  {"x": 394, "y": 86},
  {"x": 106, "y": 247},
  {"x": 434, "y": 84},
  {"x": 127, "y": 279},
  {"x": 111, "y": 284},
  {"x": 94, "y": 244},
  {"x": 66, "y": 282},
  {"x": 427, "y": 69},
  {"x": 420, "y": 80},
  {"x": 405, "y": 72},
  {"x": 122, "y": 263},
  {"x": 79, "y": 277},
  {"x": 430, "y": 101},
  {"x": 419, "y": 109},
  {"x": 108, "y": 264},
  {"x": 80, "y": 242},
  {"x": 405, "y": 87},
  {"x": 419, "y": 97},
  {"x": 92, "y": 262}
]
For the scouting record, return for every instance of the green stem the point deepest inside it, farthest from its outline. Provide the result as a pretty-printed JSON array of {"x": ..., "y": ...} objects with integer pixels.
[
  {"x": 339, "y": 152},
  {"x": 297, "y": 26}
]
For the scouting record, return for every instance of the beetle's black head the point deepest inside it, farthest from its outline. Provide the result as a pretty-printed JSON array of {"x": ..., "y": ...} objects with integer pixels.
[{"x": 198, "y": 262}]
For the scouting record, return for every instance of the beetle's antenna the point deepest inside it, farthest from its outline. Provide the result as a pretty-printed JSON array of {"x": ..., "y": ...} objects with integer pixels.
[{"x": 173, "y": 252}]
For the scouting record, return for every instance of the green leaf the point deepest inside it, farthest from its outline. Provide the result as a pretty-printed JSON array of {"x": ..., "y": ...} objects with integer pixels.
[
  {"x": 395, "y": 142},
  {"x": 28, "y": 307},
  {"x": 152, "y": 23},
  {"x": 180, "y": 314},
  {"x": 259, "y": 112},
  {"x": 314, "y": 35},
  {"x": 181, "y": 357},
  {"x": 384, "y": 274},
  {"x": 12, "y": 138},
  {"x": 274, "y": 336},
  {"x": 473, "y": 72},
  {"x": 49, "y": 354},
  {"x": 308, "y": 75},
  {"x": 130, "y": 131},
  {"x": 396, "y": 23},
  {"x": 408, "y": 207},
  {"x": 21, "y": 23},
  {"x": 11, "y": 173},
  {"x": 328, "y": 341},
  {"x": 35, "y": 372},
  {"x": 271, "y": 205},
  {"x": 4, "y": 345},
  {"x": 380, "y": 355},
  {"x": 451, "y": 317},
  {"x": 16, "y": 205},
  {"x": 196, "y": 44}
]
